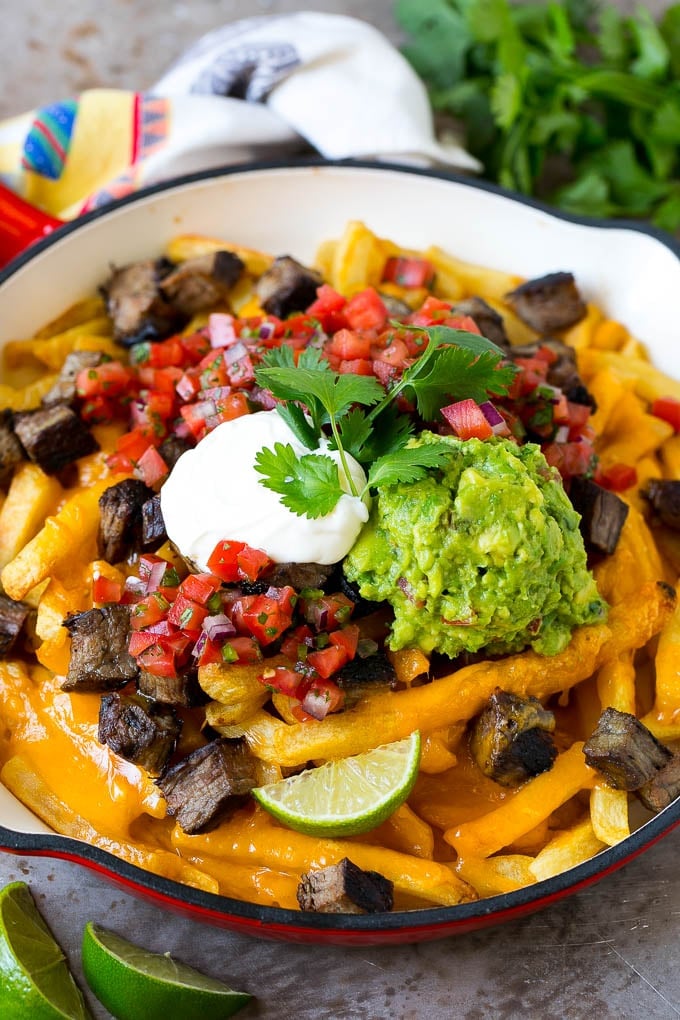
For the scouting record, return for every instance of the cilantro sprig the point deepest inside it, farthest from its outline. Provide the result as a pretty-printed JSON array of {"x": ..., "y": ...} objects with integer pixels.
[{"x": 363, "y": 418}]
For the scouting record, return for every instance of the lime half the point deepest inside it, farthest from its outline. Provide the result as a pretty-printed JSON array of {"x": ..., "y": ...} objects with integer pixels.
[
  {"x": 35, "y": 982},
  {"x": 135, "y": 984},
  {"x": 348, "y": 796}
]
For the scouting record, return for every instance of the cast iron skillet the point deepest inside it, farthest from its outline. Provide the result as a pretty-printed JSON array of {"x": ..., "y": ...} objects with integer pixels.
[{"x": 631, "y": 249}]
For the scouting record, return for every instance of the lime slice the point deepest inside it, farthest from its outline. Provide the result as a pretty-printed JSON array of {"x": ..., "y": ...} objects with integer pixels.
[
  {"x": 345, "y": 797},
  {"x": 35, "y": 981},
  {"x": 135, "y": 984}
]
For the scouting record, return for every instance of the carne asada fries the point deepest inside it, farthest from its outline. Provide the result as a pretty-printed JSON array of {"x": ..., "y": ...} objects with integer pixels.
[{"x": 240, "y": 671}]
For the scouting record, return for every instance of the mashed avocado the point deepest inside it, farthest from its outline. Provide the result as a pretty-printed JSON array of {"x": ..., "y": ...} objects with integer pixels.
[{"x": 486, "y": 553}]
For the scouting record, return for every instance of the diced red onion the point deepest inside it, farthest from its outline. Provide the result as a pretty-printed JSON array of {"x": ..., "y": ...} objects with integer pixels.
[
  {"x": 263, "y": 398},
  {"x": 562, "y": 434},
  {"x": 201, "y": 642},
  {"x": 267, "y": 330},
  {"x": 156, "y": 575},
  {"x": 215, "y": 393},
  {"x": 317, "y": 614},
  {"x": 221, "y": 329},
  {"x": 315, "y": 704},
  {"x": 218, "y": 628},
  {"x": 135, "y": 585},
  {"x": 492, "y": 415},
  {"x": 235, "y": 353},
  {"x": 182, "y": 430}
]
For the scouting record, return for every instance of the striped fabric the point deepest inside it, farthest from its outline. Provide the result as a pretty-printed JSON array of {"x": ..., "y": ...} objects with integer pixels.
[{"x": 48, "y": 140}]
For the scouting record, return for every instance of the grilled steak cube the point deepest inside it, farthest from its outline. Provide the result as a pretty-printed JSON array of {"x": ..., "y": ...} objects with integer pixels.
[
  {"x": 12, "y": 618},
  {"x": 396, "y": 308},
  {"x": 362, "y": 606},
  {"x": 54, "y": 437},
  {"x": 548, "y": 303},
  {"x": 511, "y": 740},
  {"x": 344, "y": 888},
  {"x": 100, "y": 660},
  {"x": 11, "y": 451},
  {"x": 209, "y": 784},
  {"x": 153, "y": 525},
  {"x": 664, "y": 498},
  {"x": 201, "y": 283},
  {"x": 563, "y": 372},
  {"x": 624, "y": 751},
  {"x": 64, "y": 389},
  {"x": 603, "y": 514},
  {"x": 287, "y": 287},
  {"x": 121, "y": 519},
  {"x": 172, "y": 448},
  {"x": 298, "y": 575},
  {"x": 136, "y": 306},
  {"x": 183, "y": 689},
  {"x": 663, "y": 788},
  {"x": 360, "y": 678},
  {"x": 487, "y": 318},
  {"x": 141, "y": 731}
]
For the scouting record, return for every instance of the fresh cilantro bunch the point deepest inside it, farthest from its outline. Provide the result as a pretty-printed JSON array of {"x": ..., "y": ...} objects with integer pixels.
[
  {"x": 575, "y": 103},
  {"x": 355, "y": 415}
]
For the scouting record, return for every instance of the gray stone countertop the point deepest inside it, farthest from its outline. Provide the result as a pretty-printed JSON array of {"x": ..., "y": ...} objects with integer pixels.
[{"x": 608, "y": 952}]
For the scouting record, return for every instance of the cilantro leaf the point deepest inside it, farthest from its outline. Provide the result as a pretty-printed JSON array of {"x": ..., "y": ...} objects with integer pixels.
[
  {"x": 355, "y": 431},
  {"x": 308, "y": 485},
  {"x": 297, "y": 421},
  {"x": 409, "y": 464},
  {"x": 391, "y": 431},
  {"x": 335, "y": 393}
]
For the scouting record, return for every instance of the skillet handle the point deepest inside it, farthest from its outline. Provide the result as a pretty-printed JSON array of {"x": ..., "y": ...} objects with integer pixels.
[{"x": 21, "y": 224}]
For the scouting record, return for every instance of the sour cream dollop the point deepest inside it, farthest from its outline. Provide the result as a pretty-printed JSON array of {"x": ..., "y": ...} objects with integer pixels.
[{"x": 214, "y": 494}]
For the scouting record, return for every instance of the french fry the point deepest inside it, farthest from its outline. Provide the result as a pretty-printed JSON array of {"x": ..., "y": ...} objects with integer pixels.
[
  {"x": 566, "y": 850},
  {"x": 527, "y": 807},
  {"x": 518, "y": 332},
  {"x": 406, "y": 832},
  {"x": 394, "y": 715},
  {"x": 670, "y": 457},
  {"x": 191, "y": 246},
  {"x": 494, "y": 876},
  {"x": 68, "y": 535},
  {"x": 616, "y": 684},
  {"x": 237, "y": 712},
  {"x": 609, "y": 335},
  {"x": 90, "y": 336},
  {"x": 228, "y": 683},
  {"x": 644, "y": 378},
  {"x": 609, "y": 814},
  {"x": 31, "y": 497},
  {"x": 358, "y": 260},
  {"x": 472, "y": 279},
  {"x": 580, "y": 335},
  {"x": 667, "y": 663},
  {"x": 25, "y": 398},
  {"x": 83, "y": 311}
]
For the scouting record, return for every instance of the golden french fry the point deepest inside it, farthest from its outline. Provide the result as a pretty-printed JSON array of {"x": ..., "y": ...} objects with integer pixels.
[
  {"x": 667, "y": 662},
  {"x": 358, "y": 260},
  {"x": 191, "y": 246},
  {"x": 649, "y": 382},
  {"x": 406, "y": 832},
  {"x": 670, "y": 457},
  {"x": 493, "y": 876},
  {"x": 609, "y": 814},
  {"x": 231, "y": 682},
  {"x": 566, "y": 850},
  {"x": 580, "y": 335},
  {"x": 616, "y": 684},
  {"x": 517, "y": 331},
  {"x": 473, "y": 280},
  {"x": 237, "y": 712},
  {"x": 610, "y": 335},
  {"x": 26, "y": 398},
  {"x": 525, "y": 808},
  {"x": 83, "y": 311},
  {"x": 90, "y": 336},
  {"x": 31, "y": 497}
]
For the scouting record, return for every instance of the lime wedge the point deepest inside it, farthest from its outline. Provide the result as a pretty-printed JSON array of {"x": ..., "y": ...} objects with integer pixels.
[
  {"x": 35, "y": 982},
  {"x": 345, "y": 797},
  {"x": 135, "y": 984}
]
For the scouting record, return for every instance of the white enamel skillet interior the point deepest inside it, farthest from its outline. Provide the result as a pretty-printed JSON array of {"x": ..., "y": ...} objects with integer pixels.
[{"x": 633, "y": 273}]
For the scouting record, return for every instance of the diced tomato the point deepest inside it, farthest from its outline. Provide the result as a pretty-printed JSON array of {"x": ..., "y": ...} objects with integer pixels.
[
  {"x": 240, "y": 372},
  {"x": 189, "y": 385},
  {"x": 262, "y": 616},
  {"x": 212, "y": 370},
  {"x": 408, "y": 272},
  {"x": 252, "y": 562},
  {"x": 139, "y": 641},
  {"x": 347, "y": 638},
  {"x": 241, "y": 649},
  {"x": 325, "y": 612},
  {"x": 109, "y": 379},
  {"x": 134, "y": 444},
  {"x": 297, "y": 642},
  {"x": 210, "y": 653},
  {"x": 233, "y": 406},
  {"x": 186, "y": 614},
  {"x": 322, "y": 697},
  {"x": 366, "y": 310},
  {"x": 571, "y": 459},
  {"x": 151, "y": 467},
  {"x": 328, "y": 660},
  {"x": 199, "y": 587},
  {"x": 356, "y": 366},
  {"x": 385, "y": 373},
  {"x": 395, "y": 352},
  {"x": 467, "y": 420},
  {"x": 578, "y": 416},
  {"x": 432, "y": 311},
  {"x": 167, "y": 352},
  {"x": 195, "y": 347},
  {"x": 668, "y": 409},
  {"x": 158, "y": 661},
  {"x": 304, "y": 327},
  {"x": 99, "y": 409},
  {"x": 617, "y": 477},
  {"x": 347, "y": 344},
  {"x": 327, "y": 300},
  {"x": 149, "y": 611},
  {"x": 286, "y": 681},
  {"x": 223, "y": 562},
  {"x": 105, "y": 589}
]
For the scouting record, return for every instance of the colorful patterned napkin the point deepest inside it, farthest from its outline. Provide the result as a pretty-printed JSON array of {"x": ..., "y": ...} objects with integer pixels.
[{"x": 260, "y": 88}]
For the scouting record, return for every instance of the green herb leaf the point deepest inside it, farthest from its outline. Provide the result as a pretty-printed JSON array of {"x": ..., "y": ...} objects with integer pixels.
[
  {"x": 409, "y": 464},
  {"x": 308, "y": 485}
]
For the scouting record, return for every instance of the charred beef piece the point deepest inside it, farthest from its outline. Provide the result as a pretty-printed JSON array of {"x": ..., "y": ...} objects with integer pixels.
[
  {"x": 64, "y": 389},
  {"x": 153, "y": 525},
  {"x": 360, "y": 678},
  {"x": 563, "y": 372},
  {"x": 603, "y": 514},
  {"x": 183, "y": 689},
  {"x": 362, "y": 606},
  {"x": 12, "y": 618},
  {"x": 141, "y": 731},
  {"x": 624, "y": 751},
  {"x": 663, "y": 788},
  {"x": 487, "y": 318},
  {"x": 344, "y": 888},
  {"x": 201, "y": 283},
  {"x": 287, "y": 287},
  {"x": 298, "y": 575},
  {"x": 664, "y": 498},
  {"x": 511, "y": 740},
  {"x": 396, "y": 308},
  {"x": 100, "y": 660},
  {"x": 136, "y": 306},
  {"x": 121, "y": 519},
  {"x": 11, "y": 451},
  {"x": 54, "y": 437},
  {"x": 209, "y": 784},
  {"x": 172, "y": 448},
  {"x": 548, "y": 303}
]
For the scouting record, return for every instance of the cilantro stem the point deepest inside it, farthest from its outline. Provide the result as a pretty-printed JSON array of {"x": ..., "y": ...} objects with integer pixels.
[{"x": 343, "y": 458}]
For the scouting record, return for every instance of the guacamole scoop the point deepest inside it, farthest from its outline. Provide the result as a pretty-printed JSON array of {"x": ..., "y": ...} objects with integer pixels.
[{"x": 484, "y": 553}]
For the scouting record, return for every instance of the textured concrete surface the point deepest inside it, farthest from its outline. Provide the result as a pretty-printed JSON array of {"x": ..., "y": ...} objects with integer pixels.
[{"x": 609, "y": 952}]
